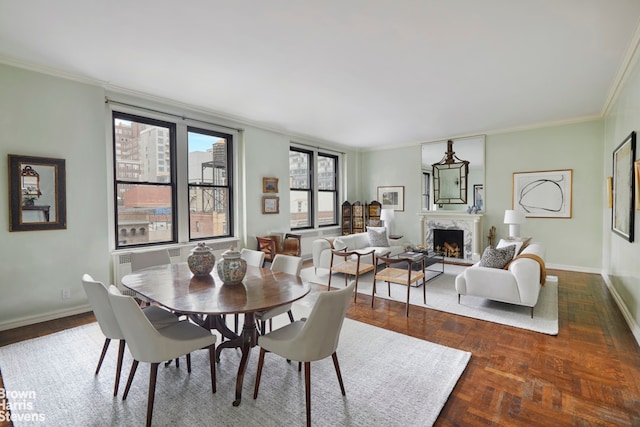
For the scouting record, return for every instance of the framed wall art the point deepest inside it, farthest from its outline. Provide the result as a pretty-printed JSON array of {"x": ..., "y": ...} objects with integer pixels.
[
  {"x": 543, "y": 194},
  {"x": 637, "y": 168},
  {"x": 270, "y": 204},
  {"x": 622, "y": 215},
  {"x": 478, "y": 196},
  {"x": 269, "y": 185},
  {"x": 37, "y": 193},
  {"x": 392, "y": 197}
]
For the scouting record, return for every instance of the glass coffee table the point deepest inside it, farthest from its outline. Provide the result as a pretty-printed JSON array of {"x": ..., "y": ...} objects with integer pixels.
[{"x": 430, "y": 258}]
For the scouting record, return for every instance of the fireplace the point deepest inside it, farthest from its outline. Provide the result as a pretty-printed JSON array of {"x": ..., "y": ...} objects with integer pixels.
[
  {"x": 449, "y": 242},
  {"x": 469, "y": 225}
]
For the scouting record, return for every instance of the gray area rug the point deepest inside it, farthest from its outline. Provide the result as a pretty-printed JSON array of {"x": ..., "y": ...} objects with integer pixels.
[
  {"x": 390, "y": 379},
  {"x": 441, "y": 295}
]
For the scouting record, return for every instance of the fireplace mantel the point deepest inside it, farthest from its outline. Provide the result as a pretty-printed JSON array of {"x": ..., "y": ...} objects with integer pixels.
[{"x": 471, "y": 224}]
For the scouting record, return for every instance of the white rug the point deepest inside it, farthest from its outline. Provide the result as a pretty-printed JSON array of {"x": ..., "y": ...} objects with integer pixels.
[
  {"x": 390, "y": 379},
  {"x": 441, "y": 295}
]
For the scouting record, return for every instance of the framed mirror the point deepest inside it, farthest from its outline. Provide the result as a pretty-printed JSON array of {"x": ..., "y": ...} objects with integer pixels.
[
  {"x": 36, "y": 193},
  {"x": 471, "y": 149}
]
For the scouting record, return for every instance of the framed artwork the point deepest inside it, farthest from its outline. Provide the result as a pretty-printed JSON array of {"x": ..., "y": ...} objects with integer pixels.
[
  {"x": 543, "y": 194},
  {"x": 391, "y": 197},
  {"x": 269, "y": 185},
  {"x": 610, "y": 192},
  {"x": 37, "y": 193},
  {"x": 622, "y": 215},
  {"x": 270, "y": 204},
  {"x": 478, "y": 196}
]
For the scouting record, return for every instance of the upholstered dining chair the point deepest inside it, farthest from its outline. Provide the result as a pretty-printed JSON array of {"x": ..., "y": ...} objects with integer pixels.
[
  {"x": 254, "y": 258},
  {"x": 98, "y": 296},
  {"x": 151, "y": 345},
  {"x": 309, "y": 340},
  {"x": 285, "y": 264},
  {"x": 146, "y": 259}
]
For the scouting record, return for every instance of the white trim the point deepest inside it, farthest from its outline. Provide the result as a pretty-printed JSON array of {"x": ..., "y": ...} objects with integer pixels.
[
  {"x": 635, "y": 329},
  {"x": 52, "y": 315}
]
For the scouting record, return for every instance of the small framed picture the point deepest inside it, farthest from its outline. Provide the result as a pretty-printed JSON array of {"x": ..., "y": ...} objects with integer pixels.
[
  {"x": 270, "y": 204},
  {"x": 269, "y": 185},
  {"x": 392, "y": 197}
]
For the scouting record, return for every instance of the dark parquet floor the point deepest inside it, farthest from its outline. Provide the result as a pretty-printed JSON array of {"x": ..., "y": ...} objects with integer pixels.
[{"x": 588, "y": 375}]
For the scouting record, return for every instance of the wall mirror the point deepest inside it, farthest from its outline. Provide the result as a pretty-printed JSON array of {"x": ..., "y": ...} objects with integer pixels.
[
  {"x": 453, "y": 193},
  {"x": 36, "y": 193}
]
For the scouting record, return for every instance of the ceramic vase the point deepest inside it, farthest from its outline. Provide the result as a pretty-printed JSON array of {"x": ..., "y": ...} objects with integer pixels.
[
  {"x": 232, "y": 268},
  {"x": 201, "y": 260}
]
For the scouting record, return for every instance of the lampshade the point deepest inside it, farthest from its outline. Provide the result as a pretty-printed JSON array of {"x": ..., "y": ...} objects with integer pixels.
[
  {"x": 387, "y": 215},
  {"x": 514, "y": 219}
]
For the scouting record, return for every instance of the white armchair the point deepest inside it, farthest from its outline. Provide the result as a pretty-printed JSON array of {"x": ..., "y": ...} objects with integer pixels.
[{"x": 519, "y": 284}]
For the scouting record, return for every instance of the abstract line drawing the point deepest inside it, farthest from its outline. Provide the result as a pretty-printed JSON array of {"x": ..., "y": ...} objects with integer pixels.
[{"x": 544, "y": 194}]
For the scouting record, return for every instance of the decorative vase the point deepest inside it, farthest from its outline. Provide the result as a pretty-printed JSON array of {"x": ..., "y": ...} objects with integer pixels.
[
  {"x": 201, "y": 260},
  {"x": 232, "y": 268}
]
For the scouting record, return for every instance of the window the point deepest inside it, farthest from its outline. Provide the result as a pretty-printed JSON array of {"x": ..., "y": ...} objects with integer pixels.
[
  {"x": 302, "y": 176},
  {"x": 327, "y": 189},
  {"x": 146, "y": 200},
  {"x": 209, "y": 184}
]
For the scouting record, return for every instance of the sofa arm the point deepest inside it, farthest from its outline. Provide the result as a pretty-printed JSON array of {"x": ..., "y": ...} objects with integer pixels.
[
  {"x": 321, "y": 251},
  {"x": 527, "y": 275}
]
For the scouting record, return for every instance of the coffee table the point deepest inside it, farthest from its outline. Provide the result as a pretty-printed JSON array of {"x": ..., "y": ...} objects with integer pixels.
[{"x": 430, "y": 258}]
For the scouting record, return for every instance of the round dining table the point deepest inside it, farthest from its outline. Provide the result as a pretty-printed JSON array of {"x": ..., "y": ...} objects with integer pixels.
[{"x": 206, "y": 300}]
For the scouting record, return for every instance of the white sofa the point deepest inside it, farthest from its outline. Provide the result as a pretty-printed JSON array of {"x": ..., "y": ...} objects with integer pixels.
[
  {"x": 321, "y": 248},
  {"x": 518, "y": 284}
]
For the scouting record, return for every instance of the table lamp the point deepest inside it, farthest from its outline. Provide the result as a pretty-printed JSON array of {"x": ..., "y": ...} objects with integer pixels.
[
  {"x": 514, "y": 219},
  {"x": 386, "y": 216}
]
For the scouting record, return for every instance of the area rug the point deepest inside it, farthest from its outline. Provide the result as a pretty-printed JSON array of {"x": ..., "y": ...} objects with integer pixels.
[
  {"x": 441, "y": 296},
  {"x": 390, "y": 379}
]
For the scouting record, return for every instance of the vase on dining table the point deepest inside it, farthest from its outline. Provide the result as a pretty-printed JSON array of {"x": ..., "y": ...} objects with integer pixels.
[
  {"x": 232, "y": 267},
  {"x": 201, "y": 260}
]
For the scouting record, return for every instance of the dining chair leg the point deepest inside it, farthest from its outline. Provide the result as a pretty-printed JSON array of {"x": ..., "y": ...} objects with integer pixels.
[
  {"x": 107, "y": 341},
  {"x": 119, "y": 366},
  {"x": 334, "y": 356},
  {"x": 290, "y": 314},
  {"x": 389, "y": 288},
  {"x": 307, "y": 389},
  {"x": 329, "y": 285},
  {"x": 132, "y": 373},
  {"x": 373, "y": 291},
  {"x": 189, "y": 362},
  {"x": 259, "y": 373},
  {"x": 424, "y": 292},
  {"x": 235, "y": 325},
  {"x": 153, "y": 373},
  {"x": 355, "y": 291},
  {"x": 212, "y": 366}
]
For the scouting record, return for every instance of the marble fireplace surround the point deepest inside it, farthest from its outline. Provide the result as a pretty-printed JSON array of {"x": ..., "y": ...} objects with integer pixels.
[{"x": 470, "y": 224}]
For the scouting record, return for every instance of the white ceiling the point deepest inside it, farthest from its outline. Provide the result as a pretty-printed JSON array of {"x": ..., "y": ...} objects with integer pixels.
[{"x": 363, "y": 73}]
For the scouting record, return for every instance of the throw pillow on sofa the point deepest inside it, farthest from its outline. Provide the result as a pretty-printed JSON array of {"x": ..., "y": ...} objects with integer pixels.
[
  {"x": 378, "y": 237},
  {"x": 497, "y": 257}
]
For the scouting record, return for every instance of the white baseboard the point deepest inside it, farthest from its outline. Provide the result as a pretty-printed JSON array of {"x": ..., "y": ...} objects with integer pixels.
[
  {"x": 635, "y": 330},
  {"x": 578, "y": 269},
  {"x": 30, "y": 320}
]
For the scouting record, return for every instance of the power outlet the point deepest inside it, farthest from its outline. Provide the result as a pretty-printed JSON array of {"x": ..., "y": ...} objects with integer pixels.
[{"x": 66, "y": 293}]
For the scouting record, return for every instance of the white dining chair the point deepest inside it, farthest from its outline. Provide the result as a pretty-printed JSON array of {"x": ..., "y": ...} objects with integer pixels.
[
  {"x": 252, "y": 257},
  {"x": 98, "y": 296},
  {"x": 285, "y": 264},
  {"x": 309, "y": 340},
  {"x": 151, "y": 345},
  {"x": 146, "y": 259}
]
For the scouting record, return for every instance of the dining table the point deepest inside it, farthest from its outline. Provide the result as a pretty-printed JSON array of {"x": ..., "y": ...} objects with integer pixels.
[{"x": 206, "y": 301}]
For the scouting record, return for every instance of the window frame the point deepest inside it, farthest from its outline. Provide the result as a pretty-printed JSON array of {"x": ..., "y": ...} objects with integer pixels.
[
  {"x": 335, "y": 191},
  {"x": 309, "y": 190},
  {"x": 229, "y": 186},
  {"x": 116, "y": 114}
]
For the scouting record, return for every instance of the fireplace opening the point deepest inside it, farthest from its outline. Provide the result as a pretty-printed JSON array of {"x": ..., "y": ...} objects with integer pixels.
[{"x": 450, "y": 242}]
